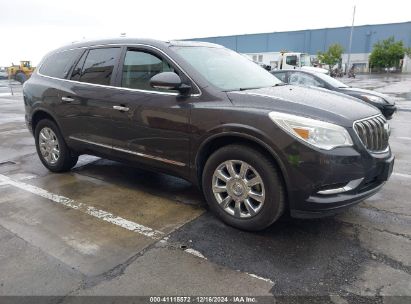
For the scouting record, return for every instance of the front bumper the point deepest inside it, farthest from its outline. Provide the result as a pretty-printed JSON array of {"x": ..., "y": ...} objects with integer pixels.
[{"x": 315, "y": 178}]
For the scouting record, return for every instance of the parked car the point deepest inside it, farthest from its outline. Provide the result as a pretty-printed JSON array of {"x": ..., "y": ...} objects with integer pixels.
[
  {"x": 383, "y": 102},
  {"x": 256, "y": 147},
  {"x": 3, "y": 73}
]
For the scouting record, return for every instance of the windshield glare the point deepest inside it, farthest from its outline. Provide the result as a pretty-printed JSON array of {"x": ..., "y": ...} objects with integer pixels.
[
  {"x": 226, "y": 69},
  {"x": 305, "y": 60},
  {"x": 332, "y": 81}
]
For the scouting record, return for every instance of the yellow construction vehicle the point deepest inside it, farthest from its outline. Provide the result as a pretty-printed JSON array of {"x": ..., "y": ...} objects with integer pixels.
[{"x": 20, "y": 72}]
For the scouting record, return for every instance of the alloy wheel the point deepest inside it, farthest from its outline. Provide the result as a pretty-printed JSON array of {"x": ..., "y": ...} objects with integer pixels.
[{"x": 238, "y": 188}]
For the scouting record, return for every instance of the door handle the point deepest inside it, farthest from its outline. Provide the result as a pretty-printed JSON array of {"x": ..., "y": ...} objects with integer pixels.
[
  {"x": 121, "y": 108},
  {"x": 67, "y": 99}
]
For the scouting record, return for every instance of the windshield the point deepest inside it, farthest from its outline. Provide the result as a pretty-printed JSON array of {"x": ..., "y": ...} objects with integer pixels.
[
  {"x": 227, "y": 69},
  {"x": 305, "y": 60},
  {"x": 331, "y": 81}
]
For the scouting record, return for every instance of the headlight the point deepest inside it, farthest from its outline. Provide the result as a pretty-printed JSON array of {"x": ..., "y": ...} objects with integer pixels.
[
  {"x": 373, "y": 98},
  {"x": 318, "y": 133}
]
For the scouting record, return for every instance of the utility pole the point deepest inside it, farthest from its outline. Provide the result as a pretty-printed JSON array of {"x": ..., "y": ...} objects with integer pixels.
[{"x": 350, "y": 43}]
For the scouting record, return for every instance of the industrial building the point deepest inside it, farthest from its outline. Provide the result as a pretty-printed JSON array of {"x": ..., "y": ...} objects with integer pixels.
[{"x": 261, "y": 47}]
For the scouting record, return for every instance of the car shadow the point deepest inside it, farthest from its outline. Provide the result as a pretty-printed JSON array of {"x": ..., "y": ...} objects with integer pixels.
[
  {"x": 302, "y": 257},
  {"x": 159, "y": 184}
]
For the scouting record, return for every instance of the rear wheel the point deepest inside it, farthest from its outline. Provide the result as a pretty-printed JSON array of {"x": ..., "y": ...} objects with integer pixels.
[
  {"x": 52, "y": 149},
  {"x": 243, "y": 187}
]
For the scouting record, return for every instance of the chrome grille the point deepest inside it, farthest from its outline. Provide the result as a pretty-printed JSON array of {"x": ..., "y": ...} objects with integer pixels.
[{"x": 373, "y": 133}]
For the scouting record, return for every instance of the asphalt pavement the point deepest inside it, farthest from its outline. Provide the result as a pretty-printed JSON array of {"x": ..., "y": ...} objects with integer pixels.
[{"x": 106, "y": 229}]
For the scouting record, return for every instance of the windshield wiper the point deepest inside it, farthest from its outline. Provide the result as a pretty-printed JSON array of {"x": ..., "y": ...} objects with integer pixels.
[
  {"x": 246, "y": 89},
  {"x": 280, "y": 84}
]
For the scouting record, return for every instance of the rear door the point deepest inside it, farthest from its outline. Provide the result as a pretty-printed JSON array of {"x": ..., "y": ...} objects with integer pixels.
[
  {"x": 151, "y": 126},
  {"x": 53, "y": 85},
  {"x": 91, "y": 99}
]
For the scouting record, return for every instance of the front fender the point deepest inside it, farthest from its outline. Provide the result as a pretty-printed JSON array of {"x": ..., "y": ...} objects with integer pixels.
[{"x": 242, "y": 132}]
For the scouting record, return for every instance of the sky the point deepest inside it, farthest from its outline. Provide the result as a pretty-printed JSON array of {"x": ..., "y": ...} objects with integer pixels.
[{"x": 29, "y": 29}]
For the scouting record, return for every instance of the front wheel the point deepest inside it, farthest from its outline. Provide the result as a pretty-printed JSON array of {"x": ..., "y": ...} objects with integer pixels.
[
  {"x": 52, "y": 149},
  {"x": 243, "y": 187}
]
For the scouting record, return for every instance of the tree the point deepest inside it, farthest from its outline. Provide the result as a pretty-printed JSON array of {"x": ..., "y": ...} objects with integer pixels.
[
  {"x": 332, "y": 56},
  {"x": 388, "y": 53}
]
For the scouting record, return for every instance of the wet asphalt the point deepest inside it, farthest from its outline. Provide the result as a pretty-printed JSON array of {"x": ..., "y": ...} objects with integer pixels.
[{"x": 64, "y": 235}]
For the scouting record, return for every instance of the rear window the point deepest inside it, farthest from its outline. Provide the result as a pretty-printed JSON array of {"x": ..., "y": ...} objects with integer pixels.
[
  {"x": 59, "y": 64},
  {"x": 99, "y": 65}
]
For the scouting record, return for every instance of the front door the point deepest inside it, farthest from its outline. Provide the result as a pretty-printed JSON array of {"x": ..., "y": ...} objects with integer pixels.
[{"x": 151, "y": 126}]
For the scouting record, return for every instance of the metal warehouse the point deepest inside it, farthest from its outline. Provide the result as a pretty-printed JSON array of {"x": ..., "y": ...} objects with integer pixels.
[{"x": 261, "y": 46}]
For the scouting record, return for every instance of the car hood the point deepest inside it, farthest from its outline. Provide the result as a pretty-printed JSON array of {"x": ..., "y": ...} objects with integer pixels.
[
  {"x": 358, "y": 91},
  {"x": 316, "y": 103}
]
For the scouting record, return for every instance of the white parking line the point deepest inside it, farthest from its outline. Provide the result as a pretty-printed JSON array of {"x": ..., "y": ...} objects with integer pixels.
[
  {"x": 201, "y": 256},
  {"x": 90, "y": 210},
  {"x": 11, "y": 132},
  {"x": 402, "y": 137},
  {"x": 195, "y": 252},
  {"x": 402, "y": 175},
  {"x": 260, "y": 278},
  {"x": 101, "y": 214}
]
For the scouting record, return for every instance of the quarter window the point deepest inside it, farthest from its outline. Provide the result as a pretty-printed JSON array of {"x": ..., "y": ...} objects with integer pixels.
[
  {"x": 99, "y": 65},
  {"x": 139, "y": 67},
  {"x": 59, "y": 64}
]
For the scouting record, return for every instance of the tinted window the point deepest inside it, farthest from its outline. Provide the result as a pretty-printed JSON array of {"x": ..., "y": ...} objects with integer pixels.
[
  {"x": 303, "y": 79},
  {"x": 99, "y": 65},
  {"x": 59, "y": 64},
  {"x": 139, "y": 67},
  {"x": 76, "y": 73},
  {"x": 280, "y": 76}
]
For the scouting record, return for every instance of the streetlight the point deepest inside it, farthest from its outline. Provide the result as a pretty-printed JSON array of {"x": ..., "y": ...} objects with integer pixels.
[{"x": 350, "y": 43}]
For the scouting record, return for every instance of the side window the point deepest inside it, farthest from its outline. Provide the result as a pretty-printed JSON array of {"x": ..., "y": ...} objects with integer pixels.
[
  {"x": 59, "y": 64},
  {"x": 139, "y": 67},
  {"x": 99, "y": 65},
  {"x": 76, "y": 73},
  {"x": 291, "y": 60},
  {"x": 303, "y": 79},
  {"x": 281, "y": 76}
]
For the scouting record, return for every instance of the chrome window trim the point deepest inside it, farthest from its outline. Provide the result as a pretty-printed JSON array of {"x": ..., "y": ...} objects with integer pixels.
[
  {"x": 164, "y": 160},
  {"x": 367, "y": 118},
  {"x": 123, "y": 88}
]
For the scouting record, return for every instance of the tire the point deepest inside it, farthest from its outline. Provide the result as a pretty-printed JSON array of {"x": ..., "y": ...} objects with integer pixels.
[
  {"x": 66, "y": 158},
  {"x": 261, "y": 168},
  {"x": 21, "y": 77}
]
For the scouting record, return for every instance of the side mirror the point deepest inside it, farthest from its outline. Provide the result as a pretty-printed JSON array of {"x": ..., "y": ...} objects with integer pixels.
[{"x": 167, "y": 81}]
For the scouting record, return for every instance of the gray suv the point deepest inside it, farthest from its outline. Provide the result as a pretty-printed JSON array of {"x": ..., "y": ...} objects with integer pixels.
[{"x": 254, "y": 146}]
